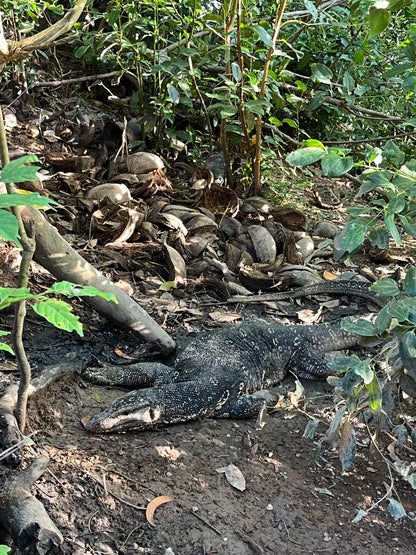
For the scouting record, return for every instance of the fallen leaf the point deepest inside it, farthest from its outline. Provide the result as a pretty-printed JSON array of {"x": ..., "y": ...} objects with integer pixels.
[
  {"x": 224, "y": 317},
  {"x": 329, "y": 275},
  {"x": 153, "y": 505},
  {"x": 234, "y": 476}
]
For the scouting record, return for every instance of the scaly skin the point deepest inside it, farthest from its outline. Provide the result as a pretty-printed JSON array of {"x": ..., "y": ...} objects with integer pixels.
[{"x": 224, "y": 373}]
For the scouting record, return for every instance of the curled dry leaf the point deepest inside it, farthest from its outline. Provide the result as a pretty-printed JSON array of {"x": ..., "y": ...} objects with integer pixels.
[
  {"x": 263, "y": 243},
  {"x": 177, "y": 266},
  {"x": 113, "y": 192},
  {"x": 153, "y": 505},
  {"x": 234, "y": 476},
  {"x": 144, "y": 162},
  {"x": 224, "y": 317},
  {"x": 221, "y": 200}
]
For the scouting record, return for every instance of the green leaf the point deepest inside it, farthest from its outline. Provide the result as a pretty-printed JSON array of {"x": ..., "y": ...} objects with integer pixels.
[
  {"x": 409, "y": 227},
  {"x": 335, "y": 423},
  {"x": 9, "y": 228},
  {"x": 386, "y": 287},
  {"x": 391, "y": 226},
  {"x": 392, "y": 154},
  {"x": 398, "y": 310},
  {"x": 14, "y": 294},
  {"x": 360, "y": 327},
  {"x": 379, "y": 18},
  {"x": 396, "y": 205},
  {"x": 25, "y": 199},
  {"x": 348, "y": 82},
  {"x": 396, "y": 509},
  {"x": 334, "y": 165},
  {"x": 351, "y": 237},
  {"x": 235, "y": 68},
  {"x": 382, "y": 321},
  {"x": 409, "y": 283},
  {"x": 228, "y": 111},
  {"x": 407, "y": 349},
  {"x": 325, "y": 491},
  {"x": 374, "y": 394},
  {"x": 379, "y": 237},
  {"x": 263, "y": 35},
  {"x": 16, "y": 171},
  {"x": 305, "y": 156},
  {"x": 173, "y": 93},
  {"x": 347, "y": 445},
  {"x": 59, "y": 314},
  {"x": 5, "y": 347},
  {"x": 72, "y": 290},
  {"x": 310, "y": 6},
  {"x": 4, "y": 550},
  {"x": 321, "y": 73},
  {"x": 362, "y": 369},
  {"x": 359, "y": 57},
  {"x": 168, "y": 286}
]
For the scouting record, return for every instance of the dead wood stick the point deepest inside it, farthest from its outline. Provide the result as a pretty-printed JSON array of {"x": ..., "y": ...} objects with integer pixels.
[
  {"x": 23, "y": 516},
  {"x": 62, "y": 261}
]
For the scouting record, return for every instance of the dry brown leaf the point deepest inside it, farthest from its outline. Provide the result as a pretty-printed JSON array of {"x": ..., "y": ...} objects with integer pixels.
[
  {"x": 153, "y": 505},
  {"x": 329, "y": 275},
  {"x": 224, "y": 317},
  {"x": 120, "y": 353},
  {"x": 234, "y": 476}
]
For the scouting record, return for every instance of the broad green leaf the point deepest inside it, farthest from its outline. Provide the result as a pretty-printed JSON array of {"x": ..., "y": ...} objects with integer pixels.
[
  {"x": 362, "y": 368},
  {"x": 310, "y": 6},
  {"x": 263, "y": 35},
  {"x": 334, "y": 165},
  {"x": 359, "y": 57},
  {"x": 397, "y": 70},
  {"x": 360, "y": 327},
  {"x": 321, "y": 73},
  {"x": 379, "y": 237},
  {"x": 9, "y": 228},
  {"x": 382, "y": 320},
  {"x": 391, "y": 226},
  {"x": 356, "y": 211},
  {"x": 396, "y": 205},
  {"x": 235, "y": 68},
  {"x": 374, "y": 394},
  {"x": 348, "y": 82},
  {"x": 386, "y": 287},
  {"x": 409, "y": 227},
  {"x": 2, "y": 333},
  {"x": 4, "y": 550},
  {"x": 313, "y": 142},
  {"x": 72, "y": 290},
  {"x": 340, "y": 363},
  {"x": 59, "y": 314},
  {"x": 398, "y": 310},
  {"x": 301, "y": 86},
  {"x": 393, "y": 154},
  {"x": 13, "y": 293},
  {"x": 16, "y": 171},
  {"x": 378, "y": 19},
  {"x": 25, "y": 199},
  {"x": 396, "y": 509},
  {"x": 5, "y": 347},
  {"x": 173, "y": 93},
  {"x": 228, "y": 111},
  {"x": 347, "y": 445},
  {"x": 350, "y": 380},
  {"x": 290, "y": 123},
  {"x": 409, "y": 283},
  {"x": 305, "y": 156},
  {"x": 352, "y": 236}
]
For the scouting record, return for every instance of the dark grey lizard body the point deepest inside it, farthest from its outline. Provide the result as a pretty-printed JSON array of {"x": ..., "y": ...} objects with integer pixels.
[
  {"x": 222, "y": 374},
  {"x": 226, "y": 372}
]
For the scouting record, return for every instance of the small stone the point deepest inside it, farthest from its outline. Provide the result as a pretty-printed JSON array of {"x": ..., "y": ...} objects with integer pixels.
[
  {"x": 269, "y": 507},
  {"x": 325, "y": 229},
  {"x": 305, "y": 247}
]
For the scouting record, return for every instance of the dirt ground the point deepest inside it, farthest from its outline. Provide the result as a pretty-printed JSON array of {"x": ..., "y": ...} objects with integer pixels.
[{"x": 99, "y": 486}]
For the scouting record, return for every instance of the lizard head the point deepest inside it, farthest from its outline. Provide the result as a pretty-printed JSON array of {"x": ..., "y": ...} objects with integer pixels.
[{"x": 127, "y": 412}]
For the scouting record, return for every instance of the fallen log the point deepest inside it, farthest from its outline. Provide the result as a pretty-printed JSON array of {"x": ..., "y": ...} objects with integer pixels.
[
  {"x": 23, "y": 516},
  {"x": 63, "y": 262}
]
